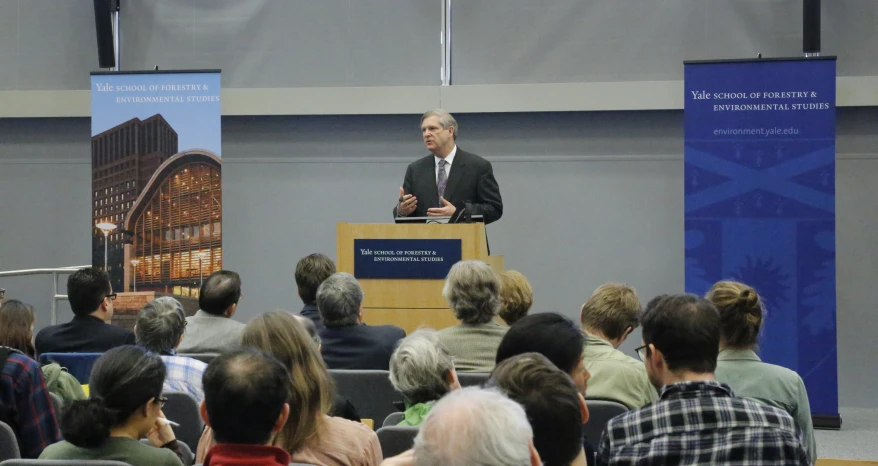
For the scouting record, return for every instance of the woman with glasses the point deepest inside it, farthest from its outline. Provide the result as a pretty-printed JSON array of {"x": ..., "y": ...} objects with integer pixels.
[{"x": 125, "y": 405}]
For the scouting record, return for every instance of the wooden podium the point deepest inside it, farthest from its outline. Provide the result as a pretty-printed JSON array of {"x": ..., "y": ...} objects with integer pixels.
[{"x": 410, "y": 302}]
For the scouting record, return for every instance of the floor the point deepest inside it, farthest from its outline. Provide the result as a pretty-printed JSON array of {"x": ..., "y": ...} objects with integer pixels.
[{"x": 857, "y": 439}]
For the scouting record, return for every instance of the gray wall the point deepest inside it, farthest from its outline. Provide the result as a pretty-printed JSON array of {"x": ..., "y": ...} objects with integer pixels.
[{"x": 589, "y": 197}]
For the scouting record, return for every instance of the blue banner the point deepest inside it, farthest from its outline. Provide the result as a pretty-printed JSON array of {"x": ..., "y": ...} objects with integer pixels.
[
  {"x": 760, "y": 203},
  {"x": 405, "y": 258}
]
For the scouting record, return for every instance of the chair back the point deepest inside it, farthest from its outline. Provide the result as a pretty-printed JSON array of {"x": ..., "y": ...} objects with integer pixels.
[
  {"x": 472, "y": 379},
  {"x": 396, "y": 439},
  {"x": 369, "y": 391},
  {"x": 57, "y": 404},
  {"x": 599, "y": 414},
  {"x": 77, "y": 364},
  {"x": 21, "y": 462},
  {"x": 393, "y": 419},
  {"x": 203, "y": 357},
  {"x": 8, "y": 443},
  {"x": 184, "y": 410}
]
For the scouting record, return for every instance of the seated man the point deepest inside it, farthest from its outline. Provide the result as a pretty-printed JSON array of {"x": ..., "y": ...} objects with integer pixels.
[
  {"x": 475, "y": 426},
  {"x": 696, "y": 419},
  {"x": 25, "y": 404},
  {"x": 159, "y": 328},
  {"x": 554, "y": 407},
  {"x": 310, "y": 273},
  {"x": 211, "y": 329},
  {"x": 91, "y": 299},
  {"x": 245, "y": 394},
  {"x": 348, "y": 343},
  {"x": 609, "y": 316}
]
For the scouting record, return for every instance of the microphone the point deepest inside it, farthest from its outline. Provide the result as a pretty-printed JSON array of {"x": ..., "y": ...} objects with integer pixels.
[{"x": 467, "y": 212}]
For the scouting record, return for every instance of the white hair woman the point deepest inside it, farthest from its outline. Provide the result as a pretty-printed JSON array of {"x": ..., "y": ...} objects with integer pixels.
[{"x": 422, "y": 370}]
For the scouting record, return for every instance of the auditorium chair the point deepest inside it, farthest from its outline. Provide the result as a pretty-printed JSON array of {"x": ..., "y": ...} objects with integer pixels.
[
  {"x": 77, "y": 364},
  {"x": 599, "y": 414},
  {"x": 8, "y": 443},
  {"x": 393, "y": 419},
  {"x": 472, "y": 379},
  {"x": 396, "y": 439},
  {"x": 183, "y": 409},
  {"x": 369, "y": 391}
]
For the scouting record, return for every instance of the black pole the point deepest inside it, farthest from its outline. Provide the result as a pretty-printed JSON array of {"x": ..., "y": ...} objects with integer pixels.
[{"x": 811, "y": 27}]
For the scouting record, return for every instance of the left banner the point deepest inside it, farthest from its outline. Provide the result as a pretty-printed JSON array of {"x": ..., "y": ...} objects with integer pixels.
[{"x": 156, "y": 179}]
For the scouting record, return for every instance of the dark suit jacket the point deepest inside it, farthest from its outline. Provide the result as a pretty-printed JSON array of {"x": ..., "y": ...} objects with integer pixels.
[
  {"x": 83, "y": 334},
  {"x": 471, "y": 179},
  {"x": 310, "y": 311},
  {"x": 359, "y": 346}
]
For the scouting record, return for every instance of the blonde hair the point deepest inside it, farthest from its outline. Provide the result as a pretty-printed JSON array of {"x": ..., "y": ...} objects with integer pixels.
[
  {"x": 516, "y": 296},
  {"x": 612, "y": 308},
  {"x": 740, "y": 313},
  {"x": 311, "y": 388}
]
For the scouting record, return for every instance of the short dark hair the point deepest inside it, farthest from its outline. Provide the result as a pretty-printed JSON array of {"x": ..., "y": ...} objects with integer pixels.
[
  {"x": 244, "y": 392},
  {"x": 86, "y": 289},
  {"x": 311, "y": 271},
  {"x": 686, "y": 329},
  {"x": 219, "y": 291},
  {"x": 551, "y": 401},
  {"x": 552, "y": 335}
]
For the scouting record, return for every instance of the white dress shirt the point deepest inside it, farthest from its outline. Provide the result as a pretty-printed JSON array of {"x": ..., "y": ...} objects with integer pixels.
[{"x": 448, "y": 159}]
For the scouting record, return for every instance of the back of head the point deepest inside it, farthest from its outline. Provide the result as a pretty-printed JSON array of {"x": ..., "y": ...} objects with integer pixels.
[
  {"x": 122, "y": 380},
  {"x": 472, "y": 290},
  {"x": 685, "y": 328},
  {"x": 551, "y": 401},
  {"x": 309, "y": 327},
  {"x": 160, "y": 324},
  {"x": 339, "y": 298},
  {"x": 86, "y": 289},
  {"x": 474, "y": 427},
  {"x": 16, "y": 324},
  {"x": 516, "y": 296},
  {"x": 219, "y": 291},
  {"x": 611, "y": 310},
  {"x": 311, "y": 271},
  {"x": 244, "y": 392},
  {"x": 552, "y": 335},
  {"x": 419, "y": 367},
  {"x": 308, "y": 382},
  {"x": 740, "y": 313}
]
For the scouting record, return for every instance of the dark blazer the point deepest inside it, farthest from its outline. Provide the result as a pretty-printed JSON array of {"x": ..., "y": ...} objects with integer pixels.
[
  {"x": 310, "y": 311},
  {"x": 83, "y": 334},
  {"x": 359, "y": 346},
  {"x": 471, "y": 179}
]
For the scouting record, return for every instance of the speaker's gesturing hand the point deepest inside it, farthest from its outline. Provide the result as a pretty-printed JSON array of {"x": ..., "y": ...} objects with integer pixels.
[{"x": 407, "y": 203}]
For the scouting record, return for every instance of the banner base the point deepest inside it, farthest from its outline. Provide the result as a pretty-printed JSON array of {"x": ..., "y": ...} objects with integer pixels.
[{"x": 826, "y": 421}]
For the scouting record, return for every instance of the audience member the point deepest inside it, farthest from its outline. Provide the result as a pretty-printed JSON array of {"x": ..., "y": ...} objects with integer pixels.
[
  {"x": 696, "y": 419},
  {"x": 25, "y": 404},
  {"x": 160, "y": 327},
  {"x": 348, "y": 343},
  {"x": 740, "y": 314},
  {"x": 211, "y": 329},
  {"x": 311, "y": 271},
  {"x": 245, "y": 403},
  {"x": 607, "y": 318},
  {"x": 310, "y": 436},
  {"x": 475, "y": 426},
  {"x": 516, "y": 296},
  {"x": 125, "y": 405},
  {"x": 422, "y": 370},
  {"x": 17, "y": 332},
  {"x": 472, "y": 290},
  {"x": 91, "y": 299},
  {"x": 554, "y": 407}
]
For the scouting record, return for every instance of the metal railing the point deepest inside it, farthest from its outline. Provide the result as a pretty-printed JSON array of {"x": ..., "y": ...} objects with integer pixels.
[{"x": 54, "y": 272}]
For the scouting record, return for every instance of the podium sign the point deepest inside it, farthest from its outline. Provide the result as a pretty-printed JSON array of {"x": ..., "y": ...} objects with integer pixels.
[{"x": 405, "y": 258}]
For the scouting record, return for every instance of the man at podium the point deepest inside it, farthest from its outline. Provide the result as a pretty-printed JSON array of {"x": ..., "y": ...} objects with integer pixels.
[{"x": 444, "y": 183}]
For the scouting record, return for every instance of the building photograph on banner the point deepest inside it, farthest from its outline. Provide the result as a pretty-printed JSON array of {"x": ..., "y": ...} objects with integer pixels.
[{"x": 156, "y": 182}]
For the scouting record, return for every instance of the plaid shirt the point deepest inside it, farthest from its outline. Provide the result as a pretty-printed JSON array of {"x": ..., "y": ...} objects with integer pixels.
[
  {"x": 25, "y": 405},
  {"x": 184, "y": 375},
  {"x": 702, "y": 423}
]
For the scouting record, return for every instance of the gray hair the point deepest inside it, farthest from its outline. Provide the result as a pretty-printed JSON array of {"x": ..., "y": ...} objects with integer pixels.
[
  {"x": 472, "y": 290},
  {"x": 419, "y": 367},
  {"x": 308, "y": 325},
  {"x": 445, "y": 119},
  {"x": 160, "y": 324},
  {"x": 339, "y": 298},
  {"x": 474, "y": 426}
]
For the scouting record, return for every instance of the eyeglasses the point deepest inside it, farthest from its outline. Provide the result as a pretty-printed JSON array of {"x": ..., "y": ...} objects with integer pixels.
[
  {"x": 161, "y": 401},
  {"x": 641, "y": 352},
  {"x": 112, "y": 297}
]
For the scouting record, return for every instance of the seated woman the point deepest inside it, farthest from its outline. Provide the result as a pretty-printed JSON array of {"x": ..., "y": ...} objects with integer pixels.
[
  {"x": 125, "y": 405},
  {"x": 310, "y": 436},
  {"x": 738, "y": 366},
  {"x": 516, "y": 296},
  {"x": 17, "y": 332},
  {"x": 422, "y": 370},
  {"x": 472, "y": 290}
]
